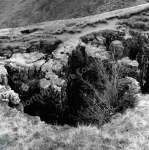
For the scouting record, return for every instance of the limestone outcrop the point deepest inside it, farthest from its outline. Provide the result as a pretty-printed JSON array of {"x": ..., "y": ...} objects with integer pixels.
[
  {"x": 41, "y": 74},
  {"x": 7, "y": 95},
  {"x": 41, "y": 65}
]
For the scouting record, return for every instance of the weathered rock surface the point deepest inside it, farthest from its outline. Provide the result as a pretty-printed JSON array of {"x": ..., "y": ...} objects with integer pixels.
[
  {"x": 128, "y": 67},
  {"x": 7, "y": 95},
  {"x": 117, "y": 49},
  {"x": 129, "y": 87},
  {"x": 3, "y": 76}
]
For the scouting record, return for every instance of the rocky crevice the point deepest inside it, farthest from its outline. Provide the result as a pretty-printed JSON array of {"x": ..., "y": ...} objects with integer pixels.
[{"x": 47, "y": 78}]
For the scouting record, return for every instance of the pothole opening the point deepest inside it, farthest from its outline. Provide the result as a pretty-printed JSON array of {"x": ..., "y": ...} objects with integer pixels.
[{"x": 95, "y": 89}]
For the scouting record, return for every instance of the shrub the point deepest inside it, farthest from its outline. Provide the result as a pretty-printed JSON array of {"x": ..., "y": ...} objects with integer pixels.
[
  {"x": 96, "y": 94},
  {"x": 117, "y": 96}
]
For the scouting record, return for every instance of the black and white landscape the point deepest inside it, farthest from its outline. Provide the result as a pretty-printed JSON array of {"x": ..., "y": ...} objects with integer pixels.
[{"x": 74, "y": 75}]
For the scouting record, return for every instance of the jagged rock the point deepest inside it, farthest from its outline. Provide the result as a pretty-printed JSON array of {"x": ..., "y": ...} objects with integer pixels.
[
  {"x": 3, "y": 75},
  {"x": 8, "y": 95},
  {"x": 27, "y": 59},
  {"x": 32, "y": 73},
  {"x": 40, "y": 70},
  {"x": 134, "y": 87},
  {"x": 101, "y": 40},
  {"x": 42, "y": 60},
  {"x": 53, "y": 68},
  {"x": 116, "y": 49},
  {"x": 128, "y": 67},
  {"x": 94, "y": 39},
  {"x": 128, "y": 88},
  {"x": 24, "y": 74},
  {"x": 130, "y": 84},
  {"x": 43, "y": 46},
  {"x": 95, "y": 52}
]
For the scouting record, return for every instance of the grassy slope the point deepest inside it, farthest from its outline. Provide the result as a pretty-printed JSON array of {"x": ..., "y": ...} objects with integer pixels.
[
  {"x": 24, "y": 12},
  {"x": 129, "y": 131}
]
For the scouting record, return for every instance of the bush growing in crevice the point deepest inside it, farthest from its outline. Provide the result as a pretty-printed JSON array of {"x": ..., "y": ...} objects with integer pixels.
[
  {"x": 105, "y": 88},
  {"x": 97, "y": 93}
]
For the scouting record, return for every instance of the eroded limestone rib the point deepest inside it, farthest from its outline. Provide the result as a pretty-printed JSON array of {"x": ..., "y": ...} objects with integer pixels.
[{"x": 6, "y": 93}]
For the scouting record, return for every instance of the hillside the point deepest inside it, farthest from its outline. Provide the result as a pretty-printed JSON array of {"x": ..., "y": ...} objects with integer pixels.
[{"x": 16, "y": 13}]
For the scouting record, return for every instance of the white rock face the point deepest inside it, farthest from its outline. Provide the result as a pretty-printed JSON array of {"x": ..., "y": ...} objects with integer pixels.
[
  {"x": 3, "y": 75},
  {"x": 6, "y": 94}
]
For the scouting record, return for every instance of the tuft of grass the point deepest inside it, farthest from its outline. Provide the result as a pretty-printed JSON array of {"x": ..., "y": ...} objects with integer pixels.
[{"x": 136, "y": 24}]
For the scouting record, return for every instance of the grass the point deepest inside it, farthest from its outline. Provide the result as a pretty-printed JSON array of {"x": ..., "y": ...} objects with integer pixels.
[
  {"x": 128, "y": 131},
  {"x": 141, "y": 24},
  {"x": 138, "y": 20}
]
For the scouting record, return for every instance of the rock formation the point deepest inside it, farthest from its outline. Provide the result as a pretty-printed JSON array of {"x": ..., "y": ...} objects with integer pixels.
[{"x": 40, "y": 64}]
